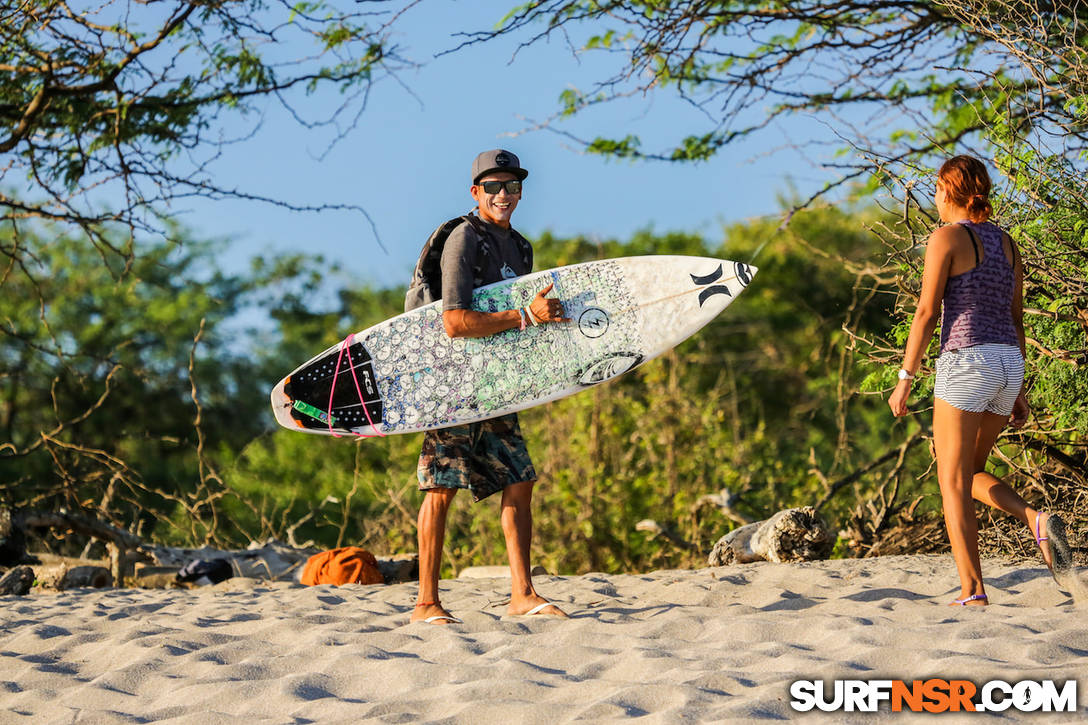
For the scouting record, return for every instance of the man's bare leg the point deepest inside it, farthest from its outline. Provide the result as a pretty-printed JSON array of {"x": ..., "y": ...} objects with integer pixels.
[
  {"x": 517, "y": 527},
  {"x": 431, "y": 531}
]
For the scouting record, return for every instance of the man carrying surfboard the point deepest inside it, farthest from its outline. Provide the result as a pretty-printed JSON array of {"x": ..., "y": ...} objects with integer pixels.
[{"x": 489, "y": 456}]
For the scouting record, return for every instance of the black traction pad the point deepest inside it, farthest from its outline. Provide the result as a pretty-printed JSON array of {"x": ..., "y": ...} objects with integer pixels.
[{"x": 312, "y": 384}]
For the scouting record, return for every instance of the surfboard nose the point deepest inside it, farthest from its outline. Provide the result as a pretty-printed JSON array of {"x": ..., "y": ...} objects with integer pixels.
[
  {"x": 744, "y": 272},
  {"x": 718, "y": 283}
]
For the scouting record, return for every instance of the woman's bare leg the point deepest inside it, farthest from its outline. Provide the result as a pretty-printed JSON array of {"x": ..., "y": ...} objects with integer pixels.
[
  {"x": 991, "y": 490},
  {"x": 955, "y": 433}
]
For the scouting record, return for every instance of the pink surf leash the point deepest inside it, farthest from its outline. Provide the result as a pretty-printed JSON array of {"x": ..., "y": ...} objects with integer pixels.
[{"x": 344, "y": 346}]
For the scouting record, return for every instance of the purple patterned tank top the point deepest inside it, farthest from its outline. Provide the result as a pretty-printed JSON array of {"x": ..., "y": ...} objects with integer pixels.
[{"x": 978, "y": 303}]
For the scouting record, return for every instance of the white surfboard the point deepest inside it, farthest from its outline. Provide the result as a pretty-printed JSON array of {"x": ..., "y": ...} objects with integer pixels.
[{"x": 412, "y": 377}]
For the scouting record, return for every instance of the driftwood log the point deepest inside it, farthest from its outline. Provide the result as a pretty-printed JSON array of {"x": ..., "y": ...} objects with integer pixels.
[
  {"x": 86, "y": 576},
  {"x": 18, "y": 581},
  {"x": 798, "y": 534},
  {"x": 270, "y": 560},
  {"x": 14, "y": 523},
  {"x": 64, "y": 572},
  {"x": 131, "y": 560},
  {"x": 12, "y": 539}
]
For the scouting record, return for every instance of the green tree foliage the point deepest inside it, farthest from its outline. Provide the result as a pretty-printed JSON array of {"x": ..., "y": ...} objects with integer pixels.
[
  {"x": 139, "y": 98},
  {"x": 754, "y": 403},
  {"x": 921, "y": 76},
  {"x": 900, "y": 85},
  {"x": 104, "y": 376},
  {"x": 125, "y": 391},
  {"x": 114, "y": 112},
  {"x": 1034, "y": 121},
  {"x": 173, "y": 439},
  {"x": 308, "y": 488}
]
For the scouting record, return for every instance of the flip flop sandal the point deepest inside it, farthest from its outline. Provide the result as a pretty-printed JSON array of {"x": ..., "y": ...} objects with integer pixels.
[
  {"x": 972, "y": 598},
  {"x": 437, "y": 617},
  {"x": 535, "y": 611},
  {"x": 1061, "y": 556}
]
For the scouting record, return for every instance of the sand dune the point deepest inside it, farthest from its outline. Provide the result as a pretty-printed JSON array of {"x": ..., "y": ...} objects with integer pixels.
[{"x": 718, "y": 644}]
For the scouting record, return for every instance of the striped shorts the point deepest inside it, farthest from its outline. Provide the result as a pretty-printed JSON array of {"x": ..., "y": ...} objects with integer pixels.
[{"x": 980, "y": 378}]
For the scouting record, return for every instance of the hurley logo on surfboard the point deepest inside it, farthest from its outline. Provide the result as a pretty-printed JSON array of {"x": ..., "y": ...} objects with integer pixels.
[{"x": 742, "y": 272}]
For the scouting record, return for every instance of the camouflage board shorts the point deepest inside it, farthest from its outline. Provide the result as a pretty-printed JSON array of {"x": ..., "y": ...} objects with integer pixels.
[{"x": 483, "y": 457}]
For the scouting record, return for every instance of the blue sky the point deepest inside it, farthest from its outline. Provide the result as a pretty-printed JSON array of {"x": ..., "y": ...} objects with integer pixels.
[{"x": 407, "y": 160}]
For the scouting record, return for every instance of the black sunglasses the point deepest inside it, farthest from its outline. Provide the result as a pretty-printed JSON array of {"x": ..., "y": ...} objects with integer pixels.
[{"x": 513, "y": 186}]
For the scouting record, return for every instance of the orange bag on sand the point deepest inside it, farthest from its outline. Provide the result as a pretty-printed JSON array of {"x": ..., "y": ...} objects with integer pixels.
[{"x": 346, "y": 565}]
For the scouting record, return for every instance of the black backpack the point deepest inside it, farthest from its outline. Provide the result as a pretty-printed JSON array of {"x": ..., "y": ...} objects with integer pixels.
[{"x": 426, "y": 284}]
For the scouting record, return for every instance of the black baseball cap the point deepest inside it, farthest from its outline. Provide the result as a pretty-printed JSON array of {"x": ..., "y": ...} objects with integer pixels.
[{"x": 497, "y": 160}]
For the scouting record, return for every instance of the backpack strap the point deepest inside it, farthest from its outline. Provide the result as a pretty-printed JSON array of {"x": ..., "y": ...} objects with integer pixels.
[
  {"x": 476, "y": 223},
  {"x": 426, "y": 284},
  {"x": 525, "y": 247},
  {"x": 431, "y": 253},
  {"x": 482, "y": 237}
]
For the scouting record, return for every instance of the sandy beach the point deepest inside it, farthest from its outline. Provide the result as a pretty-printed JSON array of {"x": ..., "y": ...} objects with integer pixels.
[{"x": 707, "y": 645}]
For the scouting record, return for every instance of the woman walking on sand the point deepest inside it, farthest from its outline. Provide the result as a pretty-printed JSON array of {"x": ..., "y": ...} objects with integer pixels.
[{"x": 972, "y": 270}]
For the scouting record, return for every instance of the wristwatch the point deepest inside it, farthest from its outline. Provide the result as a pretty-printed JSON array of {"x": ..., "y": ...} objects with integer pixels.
[{"x": 904, "y": 375}]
